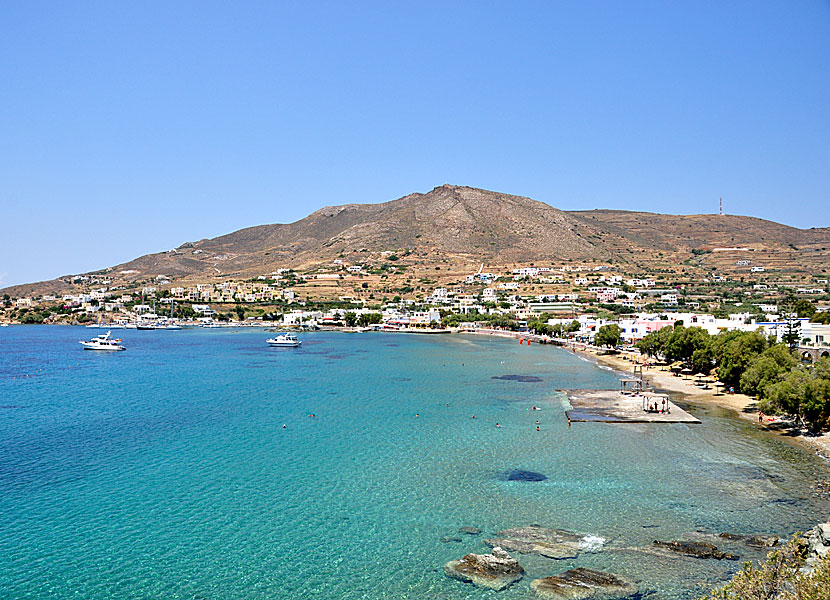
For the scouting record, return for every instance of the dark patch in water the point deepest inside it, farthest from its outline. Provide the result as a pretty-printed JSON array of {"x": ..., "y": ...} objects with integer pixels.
[
  {"x": 401, "y": 379},
  {"x": 522, "y": 475},
  {"x": 522, "y": 378},
  {"x": 336, "y": 356},
  {"x": 392, "y": 345},
  {"x": 10, "y": 406}
]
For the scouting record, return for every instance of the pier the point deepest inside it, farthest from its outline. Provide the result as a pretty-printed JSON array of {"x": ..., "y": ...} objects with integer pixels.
[{"x": 612, "y": 406}]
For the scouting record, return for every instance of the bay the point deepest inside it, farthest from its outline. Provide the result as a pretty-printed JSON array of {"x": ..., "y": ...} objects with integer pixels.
[{"x": 165, "y": 471}]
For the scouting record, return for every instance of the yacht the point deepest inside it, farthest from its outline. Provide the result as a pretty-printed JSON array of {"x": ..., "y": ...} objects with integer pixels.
[
  {"x": 103, "y": 342},
  {"x": 285, "y": 340}
]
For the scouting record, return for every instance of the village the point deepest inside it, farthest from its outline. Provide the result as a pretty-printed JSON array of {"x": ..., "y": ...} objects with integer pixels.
[{"x": 576, "y": 299}]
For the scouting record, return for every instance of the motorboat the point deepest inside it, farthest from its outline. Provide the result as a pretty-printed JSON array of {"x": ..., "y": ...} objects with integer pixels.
[
  {"x": 104, "y": 341},
  {"x": 284, "y": 340}
]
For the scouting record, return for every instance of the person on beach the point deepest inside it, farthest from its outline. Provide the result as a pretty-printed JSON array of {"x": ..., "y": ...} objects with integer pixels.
[{"x": 760, "y": 416}]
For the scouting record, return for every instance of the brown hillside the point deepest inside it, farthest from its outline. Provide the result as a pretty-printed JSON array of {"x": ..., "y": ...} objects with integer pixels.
[{"x": 463, "y": 226}]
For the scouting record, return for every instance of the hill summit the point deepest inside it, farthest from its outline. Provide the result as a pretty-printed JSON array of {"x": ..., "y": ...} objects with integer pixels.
[{"x": 466, "y": 226}]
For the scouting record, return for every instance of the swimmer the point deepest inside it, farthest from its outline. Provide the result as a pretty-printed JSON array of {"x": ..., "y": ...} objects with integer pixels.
[
  {"x": 537, "y": 429},
  {"x": 474, "y": 416},
  {"x": 417, "y": 414},
  {"x": 497, "y": 425},
  {"x": 283, "y": 425},
  {"x": 537, "y": 422}
]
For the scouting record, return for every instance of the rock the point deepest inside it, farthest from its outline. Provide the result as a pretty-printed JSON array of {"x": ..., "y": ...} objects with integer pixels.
[
  {"x": 521, "y": 378},
  {"x": 469, "y": 530},
  {"x": 818, "y": 545},
  {"x": 756, "y": 541},
  {"x": 695, "y": 549},
  {"x": 494, "y": 571},
  {"x": 522, "y": 475},
  {"x": 582, "y": 583},
  {"x": 447, "y": 539},
  {"x": 551, "y": 543}
]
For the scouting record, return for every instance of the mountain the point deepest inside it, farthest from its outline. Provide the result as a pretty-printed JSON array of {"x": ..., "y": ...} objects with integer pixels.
[{"x": 463, "y": 227}]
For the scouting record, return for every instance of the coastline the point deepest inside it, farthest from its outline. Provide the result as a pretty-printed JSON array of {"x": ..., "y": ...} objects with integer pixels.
[
  {"x": 742, "y": 405},
  {"x": 663, "y": 380}
]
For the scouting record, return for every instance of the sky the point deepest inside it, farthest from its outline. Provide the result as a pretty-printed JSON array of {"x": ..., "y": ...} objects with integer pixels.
[{"x": 133, "y": 127}]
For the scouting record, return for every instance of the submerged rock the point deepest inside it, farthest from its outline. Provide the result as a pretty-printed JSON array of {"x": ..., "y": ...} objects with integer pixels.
[
  {"x": 550, "y": 543},
  {"x": 695, "y": 549},
  {"x": 494, "y": 571},
  {"x": 522, "y": 475},
  {"x": 582, "y": 583},
  {"x": 756, "y": 541},
  {"x": 469, "y": 530},
  {"x": 522, "y": 378},
  {"x": 451, "y": 540}
]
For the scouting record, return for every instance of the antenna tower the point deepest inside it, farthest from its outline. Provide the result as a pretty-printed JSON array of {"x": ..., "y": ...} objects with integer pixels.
[{"x": 721, "y": 206}]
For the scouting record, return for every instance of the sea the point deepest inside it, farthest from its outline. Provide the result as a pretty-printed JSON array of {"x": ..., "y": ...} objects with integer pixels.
[{"x": 204, "y": 464}]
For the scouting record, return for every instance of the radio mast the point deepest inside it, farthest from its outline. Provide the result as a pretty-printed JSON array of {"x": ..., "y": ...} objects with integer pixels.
[{"x": 721, "y": 206}]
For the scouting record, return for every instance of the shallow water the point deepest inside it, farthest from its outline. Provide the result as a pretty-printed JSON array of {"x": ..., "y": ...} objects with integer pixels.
[{"x": 164, "y": 471}]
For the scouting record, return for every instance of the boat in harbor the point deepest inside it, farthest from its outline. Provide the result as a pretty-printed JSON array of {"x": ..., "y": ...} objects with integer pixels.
[
  {"x": 105, "y": 342},
  {"x": 284, "y": 340}
]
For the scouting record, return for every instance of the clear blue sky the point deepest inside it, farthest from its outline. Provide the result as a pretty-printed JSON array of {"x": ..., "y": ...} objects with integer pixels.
[{"x": 131, "y": 127}]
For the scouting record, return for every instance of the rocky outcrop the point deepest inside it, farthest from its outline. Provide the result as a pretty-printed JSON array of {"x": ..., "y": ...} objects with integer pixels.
[
  {"x": 818, "y": 545},
  {"x": 755, "y": 541},
  {"x": 551, "y": 543},
  {"x": 494, "y": 571},
  {"x": 695, "y": 549},
  {"x": 469, "y": 530},
  {"x": 583, "y": 584}
]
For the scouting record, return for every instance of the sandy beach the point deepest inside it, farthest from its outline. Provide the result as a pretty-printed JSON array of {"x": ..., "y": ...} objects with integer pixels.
[{"x": 742, "y": 405}]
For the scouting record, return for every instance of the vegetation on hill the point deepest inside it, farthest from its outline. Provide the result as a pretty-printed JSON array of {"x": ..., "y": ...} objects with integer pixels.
[{"x": 780, "y": 577}]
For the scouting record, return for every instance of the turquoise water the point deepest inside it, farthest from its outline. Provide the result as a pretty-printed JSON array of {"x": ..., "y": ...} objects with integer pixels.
[{"x": 164, "y": 471}]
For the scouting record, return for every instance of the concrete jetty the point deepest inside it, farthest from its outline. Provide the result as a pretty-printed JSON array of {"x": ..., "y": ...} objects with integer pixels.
[{"x": 613, "y": 406}]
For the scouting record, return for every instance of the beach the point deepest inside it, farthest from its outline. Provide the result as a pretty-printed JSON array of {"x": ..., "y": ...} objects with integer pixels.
[{"x": 743, "y": 406}]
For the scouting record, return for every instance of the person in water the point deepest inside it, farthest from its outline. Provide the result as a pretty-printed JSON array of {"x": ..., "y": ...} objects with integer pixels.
[{"x": 497, "y": 425}]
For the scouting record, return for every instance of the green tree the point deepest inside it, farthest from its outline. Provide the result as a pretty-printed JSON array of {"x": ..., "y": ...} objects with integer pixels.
[
  {"x": 768, "y": 368},
  {"x": 367, "y": 319},
  {"x": 654, "y": 344},
  {"x": 350, "y": 319},
  {"x": 804, "y": 392},
  {"x": 734, "y": 351},
  {"x": 572, "y": 327},
  {"x": 608, "y": 335},
  {"x": 240, "y": 312},
  {"x": 803, "y": 308}
]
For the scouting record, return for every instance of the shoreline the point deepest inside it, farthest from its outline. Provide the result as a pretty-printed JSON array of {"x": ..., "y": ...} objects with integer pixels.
[{"x": 742, "y": 405}]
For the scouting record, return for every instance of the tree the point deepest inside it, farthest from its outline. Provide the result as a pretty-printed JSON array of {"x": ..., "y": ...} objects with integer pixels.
[
  {"x": 770, "y": 366},
  {"x": 734, "y": 351},
  {"x": 803, "y": 308},
  {"x": 654, "y": 344},
  {"x": 803, "y": 392},
  {"x": 367, "y": 319},
  {"x": 240, "y": 312},
  {"x": 350, "y": 319},
  {"x": 572, "y": 327},
  {"x": 608, "y": 335}
]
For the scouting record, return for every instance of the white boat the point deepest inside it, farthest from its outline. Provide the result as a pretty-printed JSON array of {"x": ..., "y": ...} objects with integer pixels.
[
  {"x": 103, "y": 342},
  {"x": 284, "y": 340}
]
